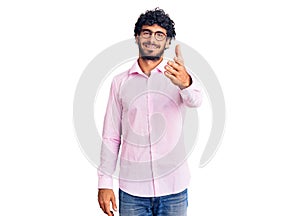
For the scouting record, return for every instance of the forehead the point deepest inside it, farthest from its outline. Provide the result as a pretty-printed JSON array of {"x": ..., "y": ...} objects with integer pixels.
[{"x": 154, "y": 28}]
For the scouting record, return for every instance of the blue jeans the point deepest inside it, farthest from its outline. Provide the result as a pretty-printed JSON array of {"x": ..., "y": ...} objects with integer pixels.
[{"x": 170, "y": 205}]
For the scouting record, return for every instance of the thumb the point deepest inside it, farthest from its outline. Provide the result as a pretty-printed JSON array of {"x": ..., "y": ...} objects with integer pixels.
[{"x": 178, "y": 52}]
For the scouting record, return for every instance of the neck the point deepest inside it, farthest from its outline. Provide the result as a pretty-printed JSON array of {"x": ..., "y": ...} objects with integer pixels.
[{"x": 148, "y": 65}]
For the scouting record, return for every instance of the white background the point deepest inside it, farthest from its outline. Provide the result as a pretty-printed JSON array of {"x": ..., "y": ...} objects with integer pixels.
[{"x": 253, "y": 47}]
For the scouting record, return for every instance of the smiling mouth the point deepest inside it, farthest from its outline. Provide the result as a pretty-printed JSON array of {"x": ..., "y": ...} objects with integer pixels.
[{"x": 151, "y": 46}]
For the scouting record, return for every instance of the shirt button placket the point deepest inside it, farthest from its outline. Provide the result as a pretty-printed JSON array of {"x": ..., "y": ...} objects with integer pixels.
[{"x": 149, "y": 111}]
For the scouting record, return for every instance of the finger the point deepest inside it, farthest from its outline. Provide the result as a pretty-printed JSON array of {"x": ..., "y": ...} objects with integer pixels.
[
  {"x": 178, "y": 53},
  {"x": 101, "y": 204},
  {"x": 179, "y": 61},
  {"x": 114, "y": 203},
  {"x": 171, "y": 70},
  {"x": 178, "y": 66},
  {"x": 173, "y": 64},
  {"x": 170, "y": 76},
  {"x": 107, "y": 208}
]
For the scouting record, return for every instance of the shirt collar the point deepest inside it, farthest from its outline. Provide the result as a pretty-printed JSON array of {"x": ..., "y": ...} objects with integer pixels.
[{"x": 136, "y": 68}]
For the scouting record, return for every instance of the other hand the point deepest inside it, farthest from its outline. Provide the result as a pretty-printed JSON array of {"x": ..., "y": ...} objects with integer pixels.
[
  {"x": 176, "y": 72},
  {"x": 105, "y": 197}
]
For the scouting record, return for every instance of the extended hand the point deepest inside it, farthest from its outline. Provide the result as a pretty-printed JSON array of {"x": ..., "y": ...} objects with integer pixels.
[
  {"x": 105, "y": 196},
  {"x": 176, "y": 71}
]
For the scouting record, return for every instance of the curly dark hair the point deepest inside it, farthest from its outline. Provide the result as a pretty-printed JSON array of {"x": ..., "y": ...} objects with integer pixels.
[{"x": 156, "y": 16}]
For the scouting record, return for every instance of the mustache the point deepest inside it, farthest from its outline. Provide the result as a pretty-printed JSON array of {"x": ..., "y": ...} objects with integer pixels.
[{"x": 151, "y": 44}]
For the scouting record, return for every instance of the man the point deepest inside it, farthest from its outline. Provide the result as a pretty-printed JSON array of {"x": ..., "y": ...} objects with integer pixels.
[{"x": 144, "y": 119}]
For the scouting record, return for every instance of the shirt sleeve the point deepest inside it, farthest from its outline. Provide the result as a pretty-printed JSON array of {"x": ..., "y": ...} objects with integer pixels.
[
  {"x": 192, "y": 95},
  {"x": 111, "y": 139}
]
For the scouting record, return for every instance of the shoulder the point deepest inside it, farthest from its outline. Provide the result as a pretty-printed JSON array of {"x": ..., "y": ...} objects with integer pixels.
[{"x": 119, "y": 79}]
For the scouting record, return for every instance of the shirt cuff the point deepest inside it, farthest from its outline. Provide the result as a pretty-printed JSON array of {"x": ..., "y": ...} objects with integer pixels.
[
  {"x": 192, "y": 95},
  {"x": 105, "y": 182}
]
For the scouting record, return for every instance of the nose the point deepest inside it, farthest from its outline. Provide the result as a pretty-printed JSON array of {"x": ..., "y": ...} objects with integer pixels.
[{"x": 152, "y": 38}]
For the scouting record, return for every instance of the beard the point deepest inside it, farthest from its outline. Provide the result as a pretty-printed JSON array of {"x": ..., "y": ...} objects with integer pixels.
[
  {"x": 153, "y": 55},
  {"x": 152, "y": 58}
]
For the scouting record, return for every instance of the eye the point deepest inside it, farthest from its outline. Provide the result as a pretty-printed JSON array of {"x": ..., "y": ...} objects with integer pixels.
[
  {"x": 146, "y": 33},
  {"x": 160, "y": 35}
]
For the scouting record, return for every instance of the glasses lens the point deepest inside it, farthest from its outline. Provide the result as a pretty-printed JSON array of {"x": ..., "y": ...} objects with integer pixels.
[
  {"x": 159, "y": 36},
  {"x": 146, "y": 34}
]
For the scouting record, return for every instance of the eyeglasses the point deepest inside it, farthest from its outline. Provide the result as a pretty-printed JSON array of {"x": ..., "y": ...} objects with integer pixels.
[{"x": 146, "y": 33}]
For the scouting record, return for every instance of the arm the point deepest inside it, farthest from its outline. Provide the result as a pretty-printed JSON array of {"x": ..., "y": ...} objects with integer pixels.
[{"x": 111, "y": 140}]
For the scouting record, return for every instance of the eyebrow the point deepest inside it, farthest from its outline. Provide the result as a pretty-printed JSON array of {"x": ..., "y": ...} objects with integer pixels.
[{"x": 152, "y": 31}]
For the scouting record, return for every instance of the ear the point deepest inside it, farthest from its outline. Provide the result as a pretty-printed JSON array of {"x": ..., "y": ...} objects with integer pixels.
[
  {"x": 168, "y": 42},
  {"x": 136, "y": 39}
]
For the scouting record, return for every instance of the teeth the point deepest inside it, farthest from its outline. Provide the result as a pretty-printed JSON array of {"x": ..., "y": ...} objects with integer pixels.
[{"x": 151, "y": 46}]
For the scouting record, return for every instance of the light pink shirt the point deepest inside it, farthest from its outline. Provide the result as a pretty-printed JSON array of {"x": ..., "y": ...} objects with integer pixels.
[{"x": 144, "y": 119}]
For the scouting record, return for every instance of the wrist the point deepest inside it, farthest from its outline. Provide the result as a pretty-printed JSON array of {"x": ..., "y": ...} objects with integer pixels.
[{"x": 187, "y": 83}]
